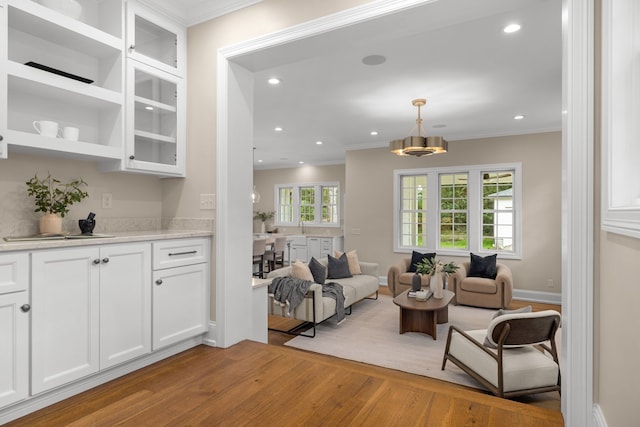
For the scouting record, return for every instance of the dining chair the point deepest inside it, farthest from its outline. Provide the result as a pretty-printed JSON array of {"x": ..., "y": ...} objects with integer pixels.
[
  {"x": 259, "y": 249},
  {"x": 275, "y": 256}
]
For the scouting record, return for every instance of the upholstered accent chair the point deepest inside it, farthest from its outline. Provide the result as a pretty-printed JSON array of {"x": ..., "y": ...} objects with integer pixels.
[
  {"x": 516, "y": 355},
  {"x": 482, "y": 291},
  {"x": 399, "y": 277}
]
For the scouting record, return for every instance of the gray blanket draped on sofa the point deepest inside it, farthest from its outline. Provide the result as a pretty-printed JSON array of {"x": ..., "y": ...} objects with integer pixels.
[{"x": 290, "y": 292}]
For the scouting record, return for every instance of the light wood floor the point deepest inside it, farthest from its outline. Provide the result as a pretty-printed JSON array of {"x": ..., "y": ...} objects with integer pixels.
[
  {"x": 272, "y": 385},
  {"x": 254, "y": 384}
]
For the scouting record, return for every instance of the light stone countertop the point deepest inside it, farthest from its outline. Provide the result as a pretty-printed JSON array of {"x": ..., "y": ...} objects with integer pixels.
[
  {"x": 118, "y": 237},
  {"x": 259, "y": 283}
]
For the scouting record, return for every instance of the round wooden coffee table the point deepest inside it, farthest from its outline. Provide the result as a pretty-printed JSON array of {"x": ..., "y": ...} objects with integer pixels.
[{"x": 423, "y": 316}]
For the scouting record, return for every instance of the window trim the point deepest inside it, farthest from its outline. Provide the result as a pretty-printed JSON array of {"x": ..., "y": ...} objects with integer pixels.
[
  {"x": 474, "y": 206},
  {"x": 317, "y": 204}
]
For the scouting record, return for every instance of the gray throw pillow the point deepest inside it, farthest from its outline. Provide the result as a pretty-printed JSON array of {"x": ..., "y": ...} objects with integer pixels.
[
  {"x": 318, "y": 271},
  {"x": 502, "y": 312},
  {"x": 483, "y": 266},
  {"x": 338, "y": 267}
]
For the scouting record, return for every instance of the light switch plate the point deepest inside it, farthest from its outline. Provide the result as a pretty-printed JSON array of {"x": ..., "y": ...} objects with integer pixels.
[
  {"x": 207, "y": 202},
  {"x": 107, "y": 200}
]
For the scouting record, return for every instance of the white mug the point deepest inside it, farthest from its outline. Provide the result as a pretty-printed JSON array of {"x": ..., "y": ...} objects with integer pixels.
[
  {"x": 70, "y": 133},
  {"x": 46, "y": 128}
]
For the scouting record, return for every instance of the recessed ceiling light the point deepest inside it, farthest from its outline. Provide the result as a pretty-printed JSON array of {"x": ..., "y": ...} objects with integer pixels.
[
  {"x": 318, "y": 142},
  {"x": 511, "y": 28},
  {"x": 259, "y": 160},
  {"x": 278, "y": 129},
  {"x": 274, "y": 81},
  {"x": 301, "y": 162},
  {"x": 373, "y": 133},
  {"x": 518, "y": 117},
  {"x": 374, "y": 60},
  {"x": 148, "y": 107}
]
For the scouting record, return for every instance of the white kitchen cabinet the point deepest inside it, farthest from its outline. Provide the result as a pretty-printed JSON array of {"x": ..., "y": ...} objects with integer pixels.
[
  {"x": 297, "y": 250},
  {"x": 64, "y": 316},
  {"x": 91, "y": 310},
  {"x": 14, "y": 328},
  {"x": 125, "y": 303},
  {"x": 155, "y": 40},
  {"x": 181, "y": 290},
  {"x": 89, "y": 48},
  {"x": 320, "y": 247},
  {"x": 313, "y": 247},
  {"x": 155, "y": 125}
]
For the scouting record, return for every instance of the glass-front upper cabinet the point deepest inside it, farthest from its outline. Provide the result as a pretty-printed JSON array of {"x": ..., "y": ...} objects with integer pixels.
[
  {"x": 155, "y": 40},
  {"x": 155, "y": 121}
]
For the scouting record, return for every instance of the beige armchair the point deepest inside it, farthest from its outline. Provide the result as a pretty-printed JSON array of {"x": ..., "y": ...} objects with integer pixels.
[
  {"x": 399, "y": 278},
  {"x": 481, "y": 292}
]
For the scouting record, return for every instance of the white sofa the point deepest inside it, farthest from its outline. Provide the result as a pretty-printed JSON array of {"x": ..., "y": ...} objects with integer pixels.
[{"x": 315, "y": 308}]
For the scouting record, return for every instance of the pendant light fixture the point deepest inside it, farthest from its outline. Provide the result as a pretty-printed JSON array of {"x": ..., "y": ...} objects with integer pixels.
[
  {"x": 419, "y": 145},
  {"x": 255, "y": 196}
]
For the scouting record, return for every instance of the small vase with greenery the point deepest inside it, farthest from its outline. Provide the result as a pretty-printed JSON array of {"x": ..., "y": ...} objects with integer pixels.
[
  {"x": 436, "y": 268},
  {"x": 263, "y": 216},
  {"x": 53, "y": 197},
  {"x": 433, "y": 265}
]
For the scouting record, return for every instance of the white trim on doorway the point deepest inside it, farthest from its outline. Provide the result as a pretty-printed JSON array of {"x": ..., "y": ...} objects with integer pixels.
[{"x": 233, "y": 159}]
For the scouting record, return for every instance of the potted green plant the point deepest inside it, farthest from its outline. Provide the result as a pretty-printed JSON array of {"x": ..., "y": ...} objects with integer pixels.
[
  {"x": 53, "y": 197},
  {"x": 436, "y": 268},
  {"x": 263, "y": 216}
]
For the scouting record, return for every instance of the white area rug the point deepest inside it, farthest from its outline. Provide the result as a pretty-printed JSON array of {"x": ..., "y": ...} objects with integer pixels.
[{"x": 370, "y": 335}]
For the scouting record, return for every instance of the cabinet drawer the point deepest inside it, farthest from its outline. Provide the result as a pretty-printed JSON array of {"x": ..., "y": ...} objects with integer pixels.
[
  {"x": 14, "y": 272},
  {"x": 180, "y": 252}
]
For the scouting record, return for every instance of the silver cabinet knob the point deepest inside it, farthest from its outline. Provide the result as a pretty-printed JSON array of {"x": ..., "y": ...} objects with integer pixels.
[
  {"x": 96, "y": 261},
  {"x": 105, "y": 260},
  {"x": 132, "y": 48},
  {"x": 25, "y": 308},
  {"x": 159, "y": 282},
  {"x": 1, "y": 138},
  {"x": 132, "y": 157}
]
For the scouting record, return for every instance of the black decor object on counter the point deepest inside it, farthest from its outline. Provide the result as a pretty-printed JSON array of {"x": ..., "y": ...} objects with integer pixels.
[
  {"x": 87, "y": 225},
  {"x": 58, "y": 72}
]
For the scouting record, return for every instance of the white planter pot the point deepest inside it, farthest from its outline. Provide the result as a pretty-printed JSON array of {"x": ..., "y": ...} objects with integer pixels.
[
  {"x": 437, "y": 286},
  {"x": 50, "y": 224}
]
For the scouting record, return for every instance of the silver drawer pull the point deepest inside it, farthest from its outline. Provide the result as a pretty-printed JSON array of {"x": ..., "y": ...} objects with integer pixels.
[{"x": 183, "y": 253}]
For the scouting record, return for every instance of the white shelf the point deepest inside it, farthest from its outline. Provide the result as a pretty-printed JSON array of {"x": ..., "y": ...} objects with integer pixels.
[
  {"x": 155, "y": 104},
  {"x": 154, "y": 137},
  {"x": 41, "y": 83},
  {"x": 32, "y": 143},
  {"x": 47, "y": 24}
]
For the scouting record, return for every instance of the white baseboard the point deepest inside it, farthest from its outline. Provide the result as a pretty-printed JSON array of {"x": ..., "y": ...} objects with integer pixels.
[
  {"x": 598, "y": 417},
  {"x": 519, "y": 294},
  {"x": 211, "y": 336},
  {"x": 537, "y": 296}
]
